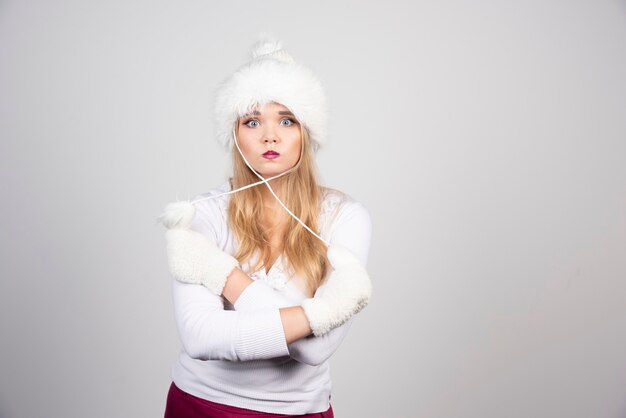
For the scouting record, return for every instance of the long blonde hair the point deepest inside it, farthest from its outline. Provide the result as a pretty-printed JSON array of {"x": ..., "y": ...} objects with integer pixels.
[{"x": 301, "y": 193}]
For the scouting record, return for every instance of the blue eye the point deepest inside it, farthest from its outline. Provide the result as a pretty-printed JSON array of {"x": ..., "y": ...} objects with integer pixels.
[
  {"x": 287, "y": 120},
  {"x": 250, "y": 121}
]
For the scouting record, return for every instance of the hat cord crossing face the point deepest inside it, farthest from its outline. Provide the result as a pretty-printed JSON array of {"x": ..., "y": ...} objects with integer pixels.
[
  {"x": 271, "y": 76},
  {"x": 266, "y": 182}
]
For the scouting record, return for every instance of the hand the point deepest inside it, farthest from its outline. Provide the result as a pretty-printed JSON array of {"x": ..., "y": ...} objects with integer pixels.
[
  {"x": 346, "y": 292},
  {"x": 192, "y": 257}
]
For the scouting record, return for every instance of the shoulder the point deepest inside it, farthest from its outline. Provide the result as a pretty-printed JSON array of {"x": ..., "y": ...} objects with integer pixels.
[
  {"x": 347, "y": 222},
  {"x": 339, "y": 208},
  {"x": 211, "y": 211},
  {"x": 213, "y": 200}
]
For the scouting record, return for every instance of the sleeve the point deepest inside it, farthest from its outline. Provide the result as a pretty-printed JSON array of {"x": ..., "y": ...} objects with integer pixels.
[
  {"x": 210, "y": 332},
  {"x": 353, "y": 231},
  {"x": 207, "y": 219}
]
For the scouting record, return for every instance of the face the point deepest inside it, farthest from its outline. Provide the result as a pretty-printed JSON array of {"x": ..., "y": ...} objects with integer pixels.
[{"x": 270, "y": 139}]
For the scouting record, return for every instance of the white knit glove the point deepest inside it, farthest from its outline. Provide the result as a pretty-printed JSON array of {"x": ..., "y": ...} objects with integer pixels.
[
  {"x": 346, "y": 291},
  {"x": 192, "y": 257}
]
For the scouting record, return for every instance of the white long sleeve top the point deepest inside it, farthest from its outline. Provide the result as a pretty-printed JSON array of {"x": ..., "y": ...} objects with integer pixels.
[{"x": 237, "y": 355}]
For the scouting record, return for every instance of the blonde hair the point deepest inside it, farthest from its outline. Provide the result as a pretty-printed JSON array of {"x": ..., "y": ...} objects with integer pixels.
[{"x": 300, "y": 192}]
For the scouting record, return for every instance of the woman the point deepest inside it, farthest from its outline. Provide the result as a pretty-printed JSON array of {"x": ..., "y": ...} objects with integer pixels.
[{"x": 268, "y": 278}]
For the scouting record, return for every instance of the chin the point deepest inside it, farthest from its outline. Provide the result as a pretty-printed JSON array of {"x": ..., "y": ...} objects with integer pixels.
[
  {"x": 265, "y": 173},
  {"x": 270, "y": 174}
]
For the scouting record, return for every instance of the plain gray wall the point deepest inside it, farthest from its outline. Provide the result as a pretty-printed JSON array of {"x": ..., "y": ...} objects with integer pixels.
[{"x": 487, "y": 139}]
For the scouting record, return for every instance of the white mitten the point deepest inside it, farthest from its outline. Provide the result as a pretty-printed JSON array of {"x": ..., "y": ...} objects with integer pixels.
[
  {"x": 192, "y": 257},
  {"x": 346, "y": 291}
]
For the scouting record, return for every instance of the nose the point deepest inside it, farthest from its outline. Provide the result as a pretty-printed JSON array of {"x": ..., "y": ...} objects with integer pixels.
[{"x": 270, "y": 136}]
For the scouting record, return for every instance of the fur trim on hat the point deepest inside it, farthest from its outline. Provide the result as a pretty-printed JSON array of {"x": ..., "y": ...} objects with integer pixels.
[{"x": 271, "y": 76}]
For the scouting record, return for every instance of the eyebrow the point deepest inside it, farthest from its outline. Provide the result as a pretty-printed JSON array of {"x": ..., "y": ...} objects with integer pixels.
[{"x": 281, "y": 112}]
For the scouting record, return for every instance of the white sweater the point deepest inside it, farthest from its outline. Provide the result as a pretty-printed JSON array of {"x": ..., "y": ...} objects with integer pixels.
[{"x": 237, "y": 355}]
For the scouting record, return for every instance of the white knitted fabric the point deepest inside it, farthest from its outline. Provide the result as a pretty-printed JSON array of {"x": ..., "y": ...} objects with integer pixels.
[{"x": 238, "y": 355}]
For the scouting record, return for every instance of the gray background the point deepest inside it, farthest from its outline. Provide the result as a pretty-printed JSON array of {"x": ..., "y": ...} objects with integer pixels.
[{"x": 487, "y": 139}]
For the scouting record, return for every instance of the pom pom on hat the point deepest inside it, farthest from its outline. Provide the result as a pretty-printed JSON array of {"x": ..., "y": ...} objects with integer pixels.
[{"x": 271, "y": 48}]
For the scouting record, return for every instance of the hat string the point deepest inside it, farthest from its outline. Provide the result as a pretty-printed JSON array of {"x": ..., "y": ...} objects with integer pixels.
[{"x": 266, "y": 182}]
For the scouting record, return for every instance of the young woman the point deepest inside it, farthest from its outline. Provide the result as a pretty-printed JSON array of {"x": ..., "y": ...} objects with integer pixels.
[{"x": 269, "y": 266}]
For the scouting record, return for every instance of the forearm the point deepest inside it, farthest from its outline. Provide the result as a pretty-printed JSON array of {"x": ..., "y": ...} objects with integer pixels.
[
  {"x": 295, "y": 322},
  {"x": 236, "y": 283},
  {"x": 209, "y": 332},
  {"x": 310, "y": 350}
]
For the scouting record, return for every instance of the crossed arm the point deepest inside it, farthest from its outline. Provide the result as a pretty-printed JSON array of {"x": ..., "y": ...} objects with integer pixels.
[
  {"x": 294, "y": 321},
  {"x": 265, "y": 323}
]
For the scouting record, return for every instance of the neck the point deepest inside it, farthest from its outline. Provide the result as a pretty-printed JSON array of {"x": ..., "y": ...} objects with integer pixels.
[{"x": 268, "y": 199}]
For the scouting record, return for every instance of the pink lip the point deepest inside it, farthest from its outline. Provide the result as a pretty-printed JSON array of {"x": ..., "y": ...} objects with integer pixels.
[{"x": 270, "y": 155}]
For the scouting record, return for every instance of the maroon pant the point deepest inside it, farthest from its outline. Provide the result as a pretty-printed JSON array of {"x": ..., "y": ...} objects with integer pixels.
[{"x": 183, "y": 405}]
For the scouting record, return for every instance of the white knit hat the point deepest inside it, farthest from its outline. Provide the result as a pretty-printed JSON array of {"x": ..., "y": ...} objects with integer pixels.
[{"x": 271, "y": 76}]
